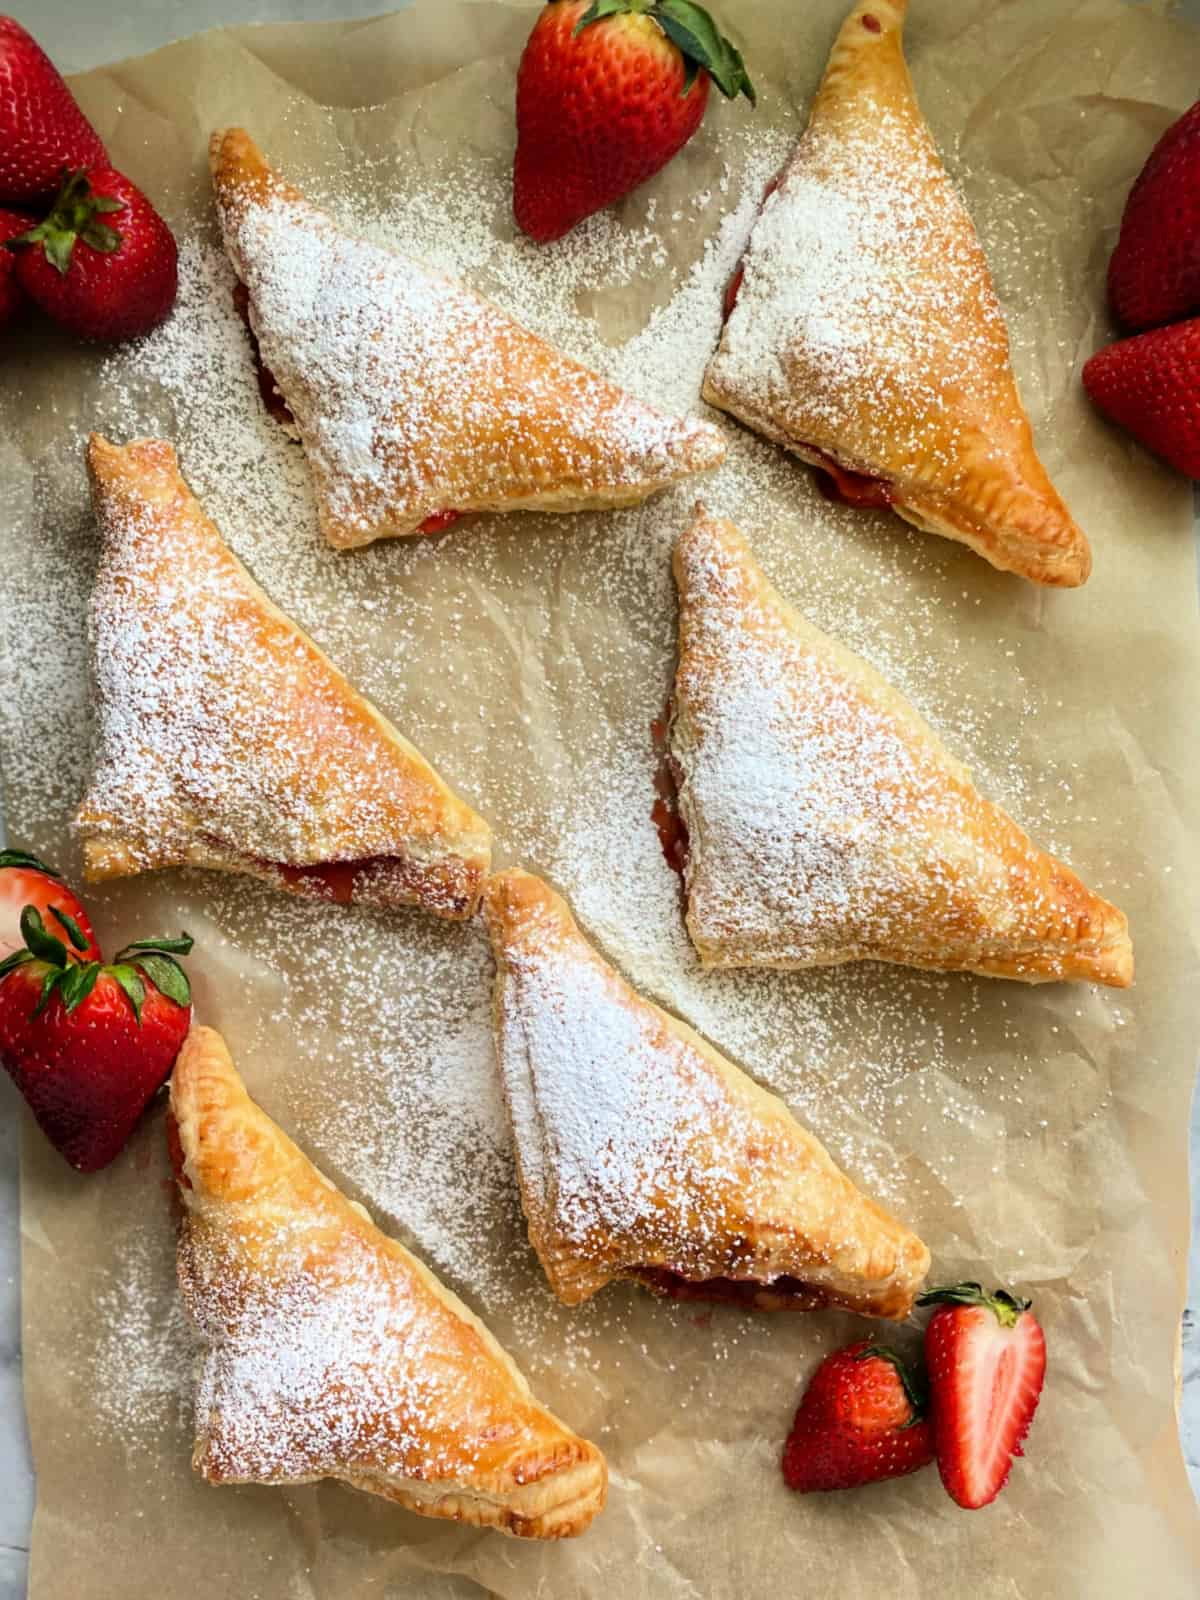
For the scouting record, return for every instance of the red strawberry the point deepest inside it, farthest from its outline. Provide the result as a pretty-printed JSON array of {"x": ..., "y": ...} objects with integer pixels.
[
  {"x": 104, "y": 262},
  {"x": 87, "y": 1045},
  {"x": 12, "y": 296},
  {"x": 26, "y": 881},
  {"x": 606, "y": 94},
  {"x": 1150, "y": 384},
  {"x": 861, "y": 1420},
  {"x": 986, "y": 1356},
  {"x": 42, "y": 130},
  {"x": 1154, "y": 274}
]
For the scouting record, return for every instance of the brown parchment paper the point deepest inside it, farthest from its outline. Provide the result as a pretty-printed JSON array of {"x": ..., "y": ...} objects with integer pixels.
[{"x": 1037, "y": 1136}]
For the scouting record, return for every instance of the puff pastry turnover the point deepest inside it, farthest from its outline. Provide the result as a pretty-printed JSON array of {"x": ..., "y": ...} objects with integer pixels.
[
  {"x": 415, "y": 397},
  {"x": 866, "y": 335},
  {"x": 643, "y": 1153},
  {"x": 331, "y": 1352},
  {"x": 825, "y": 820},
  {"x": 227, "y": 739}
]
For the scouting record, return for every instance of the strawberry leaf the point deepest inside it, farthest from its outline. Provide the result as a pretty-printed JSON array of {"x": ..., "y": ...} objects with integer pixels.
[
  {"x": 1006, "y": 1308},
  {"x": 131, "y": 983},
  {"x": 17, "y": 959},
  {"x": 58, "y": 246},
  {"x": 22, "y": 858},
  {"x": 43, "y": 945},
  {"x": 739, "y": 74},
  {"x": 690, "y": 27},
  {"x": 74, "y": 932},
  {"x": 77, "y": 983},
  {"x": 167, "y": 976},
  {"x": 50, "y": 982},
  {"x": 73, "y": 216},
  {"x": 693, "y": 32},
  {"x": 599, "y": 9},
  {"x": 174, "y": 947},
  {"x": 101, "y": 237}
]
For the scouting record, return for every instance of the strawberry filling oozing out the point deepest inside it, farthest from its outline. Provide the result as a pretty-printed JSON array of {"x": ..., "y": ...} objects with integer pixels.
[
  {"x": 271, "y": 398},
  {"x": 727, "y": 1291},
  {"x": 330, "y": 880},
  {"x": 664, "y": 813},
  {"x": 731, "y": 290},
  {"x": 438, "y": 521},
  {"x": 735, "y": 283},
  {"x": 281, "y": 411},
  {"x": 850, "y": 488}
]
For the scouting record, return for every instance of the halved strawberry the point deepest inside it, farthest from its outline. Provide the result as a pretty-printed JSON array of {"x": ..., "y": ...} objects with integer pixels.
[
  {"x": 986, "y": 1356},
  {"x": 26, "y": 881}
]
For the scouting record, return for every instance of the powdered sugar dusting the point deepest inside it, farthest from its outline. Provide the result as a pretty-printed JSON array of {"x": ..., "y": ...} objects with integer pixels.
[
  {"x": 613, "y": 1117},
  {"x": 825, "y": 823},
  {"x": 326, "y": 1358},
  {"x": 224, "y": 737},
  {"x": 526, "y": 659},
  {"x": 866, "y": 311},
  {"x": 413, "y": 395},
  {"x": 640, "y": 1152},
  {"x": 143, "y": 1354}
]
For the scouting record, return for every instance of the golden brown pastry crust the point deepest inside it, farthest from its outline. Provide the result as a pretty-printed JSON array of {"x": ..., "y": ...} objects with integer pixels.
[
  {"x": 867, "y": 329},
  {"x": 226, "y": 738},
  {"x": 333, "y": 1352},
  {"x": 826, "y": 821},
  {"x": 412, "y": 394},
  {"x": 641, "y": 1149}
]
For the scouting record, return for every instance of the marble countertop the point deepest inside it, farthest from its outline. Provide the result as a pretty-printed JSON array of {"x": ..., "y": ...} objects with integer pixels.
[{"x": 78, "y": 37}]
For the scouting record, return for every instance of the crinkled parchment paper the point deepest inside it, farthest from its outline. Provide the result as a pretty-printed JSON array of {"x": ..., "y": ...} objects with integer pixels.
[{"x": 1035, "y": 1136}]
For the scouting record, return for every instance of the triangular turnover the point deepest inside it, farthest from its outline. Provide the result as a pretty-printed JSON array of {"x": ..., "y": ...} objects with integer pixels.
[
  {"x": 826, "y": 822},
  {"x": 332, "y": 1352},
  {"x": 227, "y": 739},
  {"x": 865, "y": 334},
  {"x": 414, "y": 397},
  {"x": 643, "y": 1153}
]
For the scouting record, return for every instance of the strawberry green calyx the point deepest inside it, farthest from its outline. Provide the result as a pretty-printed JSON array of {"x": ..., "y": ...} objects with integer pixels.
[
  {"x": 23, "y": 859},
  {"x": 156, "y": 959},
  {"x": 75, "y": 215},
  {"x": 911, "y": 1381},
  {"x": 693, "y": 31},
  {"x": 1006, "y": 1308},
  {"x": 73, "y": 980}
]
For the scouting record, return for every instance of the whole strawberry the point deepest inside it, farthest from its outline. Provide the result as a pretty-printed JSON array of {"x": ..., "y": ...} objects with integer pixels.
[
  {"x": 42, "y": 130},
  {"x": 86, "y": 1044},
  {"x": 861, "y": 1420},
  {"x": 1150, "y": 384},
  {"x": 12, "y": 296},
  {"x": 607, "y": 93},
  {"x": 26, "y": 881},
  {"x": 986, "y": 1358},
  {"x": 104, "y": 262},
  {"x": 1154, "y": 274}
]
